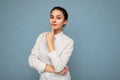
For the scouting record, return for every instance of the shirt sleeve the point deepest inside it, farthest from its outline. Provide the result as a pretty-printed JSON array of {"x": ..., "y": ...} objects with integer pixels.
[
  {"x": 59, "y": 62},
  {"x": 34, "y": 60}
]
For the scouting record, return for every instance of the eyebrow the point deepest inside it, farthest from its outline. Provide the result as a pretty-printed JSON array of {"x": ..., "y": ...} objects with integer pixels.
[{"x": 56, "y": 15}]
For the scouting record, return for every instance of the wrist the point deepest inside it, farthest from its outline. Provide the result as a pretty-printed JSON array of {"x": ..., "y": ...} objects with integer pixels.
[{"x": 51, "y": 48}]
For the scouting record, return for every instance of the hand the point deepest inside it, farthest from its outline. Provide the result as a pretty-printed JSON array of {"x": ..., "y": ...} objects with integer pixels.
[
  {"x": 50, "y": 40},
  {"x": 49, "y": 68},
  {"x": 64, "y": 71}
]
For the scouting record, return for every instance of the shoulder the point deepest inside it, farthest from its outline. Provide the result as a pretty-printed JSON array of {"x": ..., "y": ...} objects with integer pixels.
[
  {"x": 41, "y": 35},
  {"x": 69, "y": 39}
]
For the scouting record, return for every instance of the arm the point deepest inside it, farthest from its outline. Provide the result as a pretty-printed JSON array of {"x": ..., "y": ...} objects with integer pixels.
[
  {"x": 34, "y": 60},
  {"x": 42, "y": 67},
  {"x": 50, "y": 68},
  {"x": 59, "y": 62}
]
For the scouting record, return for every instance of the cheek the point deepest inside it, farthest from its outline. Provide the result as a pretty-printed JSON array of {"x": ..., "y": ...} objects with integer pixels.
[
  {"x": 61, "y": 22},
  {"x": 50, "y": 21}
]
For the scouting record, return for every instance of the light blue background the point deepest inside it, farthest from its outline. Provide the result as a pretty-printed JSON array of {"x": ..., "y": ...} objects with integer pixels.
[{"x": 93, "y": 24}]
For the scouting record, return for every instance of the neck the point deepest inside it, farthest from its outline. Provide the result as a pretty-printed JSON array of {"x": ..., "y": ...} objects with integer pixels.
[{"x": 57, "y": 31}]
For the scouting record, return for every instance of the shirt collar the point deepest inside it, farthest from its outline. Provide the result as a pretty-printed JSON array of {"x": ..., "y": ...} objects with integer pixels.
[{"x": 59, "y": 34}]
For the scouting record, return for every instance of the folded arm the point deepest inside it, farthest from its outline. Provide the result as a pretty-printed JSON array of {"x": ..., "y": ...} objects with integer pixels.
[
  {"x": 50, "y": 68},
  {"x": 36, "y": 63},
  {"x": 59, "y": 62}
]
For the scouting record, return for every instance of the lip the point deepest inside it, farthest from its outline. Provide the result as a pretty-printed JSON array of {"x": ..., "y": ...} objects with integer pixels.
[{"x": 54, "y": 24}]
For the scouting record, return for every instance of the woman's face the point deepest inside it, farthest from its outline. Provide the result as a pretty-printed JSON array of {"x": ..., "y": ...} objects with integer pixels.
[{"x": 57, "y": 20}]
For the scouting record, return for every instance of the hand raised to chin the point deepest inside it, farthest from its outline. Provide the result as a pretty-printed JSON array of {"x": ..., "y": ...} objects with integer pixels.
[{"x": 50, "y": 40}]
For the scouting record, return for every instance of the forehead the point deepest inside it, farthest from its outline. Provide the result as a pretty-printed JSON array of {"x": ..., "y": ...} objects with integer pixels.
[{"x": 56, "y": 12}]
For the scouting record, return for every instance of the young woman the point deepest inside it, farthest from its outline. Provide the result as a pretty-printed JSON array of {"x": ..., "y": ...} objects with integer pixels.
[{"x": 53, "y": 49}]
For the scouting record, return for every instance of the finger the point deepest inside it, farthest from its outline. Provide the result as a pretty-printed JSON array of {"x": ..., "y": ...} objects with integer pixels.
[
  {"x": 65, "y": 70},
  {"x": 47, "y": 34},
  {"x": 66, "y": 67},
  {"x": 52, "y": 31},
  {"x": 63, "y": 73}
]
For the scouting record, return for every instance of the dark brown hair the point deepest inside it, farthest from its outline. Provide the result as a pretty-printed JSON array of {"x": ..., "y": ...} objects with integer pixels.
[{"x": 62, "y": 10}]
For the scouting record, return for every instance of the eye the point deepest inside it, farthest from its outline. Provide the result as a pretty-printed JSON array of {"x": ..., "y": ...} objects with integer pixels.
[
  {"x": 51, "y": 17},
  {"x": 58, "y": 17}
]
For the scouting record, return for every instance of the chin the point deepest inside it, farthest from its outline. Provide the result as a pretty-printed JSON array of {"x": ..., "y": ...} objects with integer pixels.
[{"x": 55, "y": 27}]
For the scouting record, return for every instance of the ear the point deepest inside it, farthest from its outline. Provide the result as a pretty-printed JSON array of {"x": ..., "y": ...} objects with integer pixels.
[{"x": 65, "y": 22}]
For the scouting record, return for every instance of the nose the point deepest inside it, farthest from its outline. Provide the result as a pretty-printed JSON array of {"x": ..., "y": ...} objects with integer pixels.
[{"x": 54, "y": 20}]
